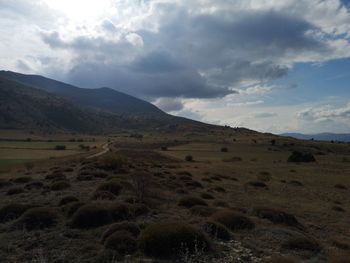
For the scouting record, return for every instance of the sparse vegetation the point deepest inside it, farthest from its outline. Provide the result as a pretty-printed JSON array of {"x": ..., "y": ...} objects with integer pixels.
[
  {"x": 166, "y": 239},
  {"x": 232, "y": 220}
]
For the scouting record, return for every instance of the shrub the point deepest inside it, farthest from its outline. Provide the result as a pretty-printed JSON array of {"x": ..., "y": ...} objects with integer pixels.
[
  {"x": 224, "y": 149},
  {"x": 91, "y": 215},
  {"x": 112, "y": 186},
  {"x": 122, "y": 242},
  {"x": 111, "y": 161},
  {"x": 264, "y": 176},
  {"x": 338, "y": 208},
  {"x": 277, "y": 216},
  {"x": 139, "y": 209},
  {"x": 232, "y": 220},
  {"x": 130, "y": 227},
  {"x": 219, "y": 189},
  {"x": 82, "y": 176},
  {"x": 60, "y": 147},
  {"x": 34, "y": 185},
  {"x": 67, "y": 199},
  {"x": 55, "y": 176},
  {"x": 22, "y": 179},
  {"x": 301, "y": 243},
  {"x": 296, "y": 183},
  {"x": 207, "y": 196},
  {"x": 166, "y": 239},
  {"x": 72, "y": 207},
  {"x": 15, "y": 190},
  {"x": 217, "y": 230},
  {"x": 189, "y": 158},
  {"x": 189, "y": 201},
  {"x": 280, "y": 259},
  {"x": 12, "y": 211},
  {"x": 59, "y": 185},
  {"x": 257, "y": 184},
  {"x": 5, "y": 183},
  {"x": 103, "y": 195},
  {"x": 120, "y": 211},
  {"x": 298, "y": 157},
  {"x": 37, "y": 218},
  {"x": 340, "y": 258},
  {"x": 29, "y": 166},
  {"x": 140, "y": 183},
  {"x": 164, "y": 148},
  {"x": 220, "y": 203},
  {"x": 200, "y": 210},
  {"x": 340, "y": 186}
]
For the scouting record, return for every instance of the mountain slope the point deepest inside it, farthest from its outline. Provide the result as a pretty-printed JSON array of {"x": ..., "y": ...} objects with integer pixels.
[
  {"x": 103, "y": 98},
  {"x": 26, "y": 107}
]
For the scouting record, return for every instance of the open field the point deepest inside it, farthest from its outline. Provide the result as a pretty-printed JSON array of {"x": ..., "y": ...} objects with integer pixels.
[
  {"x": 22, "y": 148},
  {"x": 298, "y": 211}
]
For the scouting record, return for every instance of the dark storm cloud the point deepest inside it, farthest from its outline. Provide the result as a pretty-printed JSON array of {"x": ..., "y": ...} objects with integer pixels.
[
  {"x": 194, "y": 56},
  {"x": 169, "y": 104}
]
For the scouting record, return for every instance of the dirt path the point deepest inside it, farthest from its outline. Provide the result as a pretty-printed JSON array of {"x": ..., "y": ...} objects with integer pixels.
[{"x": 105, "y": 148}]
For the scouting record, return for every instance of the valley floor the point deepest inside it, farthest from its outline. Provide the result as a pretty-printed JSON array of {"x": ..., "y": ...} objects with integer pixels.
[{"x": 108, "y": 208}]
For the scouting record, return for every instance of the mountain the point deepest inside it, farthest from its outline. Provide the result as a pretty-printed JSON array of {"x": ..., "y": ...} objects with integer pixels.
[
  {"x": 341, "y": 137},
  {"x": 56, "y": 106},
  {"x": 105, "y": 99}
]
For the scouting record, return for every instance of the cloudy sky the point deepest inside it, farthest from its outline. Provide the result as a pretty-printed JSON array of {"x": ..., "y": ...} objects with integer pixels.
[{"x": 269, "y": 65}]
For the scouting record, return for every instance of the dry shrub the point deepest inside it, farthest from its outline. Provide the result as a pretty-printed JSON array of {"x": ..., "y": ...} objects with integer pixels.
[
  {"x": 338, "y": 208},
  {"x": 277, "y": 216},
  {"x": 189, "y": 158},
  {"x": 301, "y": 157},
  {"x": 55, "y": 176},
  {"x": 22, "y": 179},
  {"x": 232, "y": 220},
  {"x": 264, "y": 176},
  {"x": 194, "y": 184},
  {"x": 122, "y": 242},
  {"x": 130, "y": 227},
  {"x": 119, "y": 211},
  {"x": 15, "y": 190},
  {"x": 103, "y": 195},
  {"x": 200, "y": 210},
  {"x": 301, "y": 243},
  {"x": 341, "y": 244},
  {"x": 34, "y": 185},
  {"x": 190, "y": 201},
  {"x": 280, "y": 259},
  {"x": 72, "y": 207},
  {"x": 141, "y": 183},
  {"x": 60, "y": 185},
  {"x": 112, "y": 186},
  {"x": 5, "y": 183},
  {"x": 220, "y": 203},
  {"x": 111, "y": 161},
  {"x": 207, "y": 196},
  {"x": 217, "y": 230},
  {"x": 67, "y": 199},
  {"x": 91, "y": 216},
  {"x": 12, "y": 211},
  {"x": 83, "y": 176},
  {"x": 340, "y": 186},
  {"x": 37, "y": 218},
  {"x": 340, "y": 258},
  {"x": 166, "y": 239},
  {"x": 257, "y": 184},
  {"x": 139, "y": 209}
]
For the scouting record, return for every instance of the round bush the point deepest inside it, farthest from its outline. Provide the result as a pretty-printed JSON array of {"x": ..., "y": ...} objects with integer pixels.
[
  {"x": 119, "y": 210},
  {"x": 67, "y": 199},
  {"x": 12, "y": 211},
  {"x": 276, "y": 216},
  {"x": 299, "y": 157},
  {"x": 15, "y": 190},
  {"x": 112, "y": 186},
  {"x": 139, "y": 209},
  {"x": 72, "y": 207},
  {"x": 130, "y": 227},
  {"x": 22, "y": 179},
  {"x": 207, "y": 196},
  {"x": 91, "y": 215},
  {"x": 301, "y": 243},
  {"x": 200, "y": 210},
  {"x": 37, "y": 218},
  {"x": 122, "y": 242},
  {"x": 59, "y": 185},
  {"x": 232, "y": 220},
  {"x": 217, "y": 230},
  {"x": 168, "y": 238},
  {"x": 189, "y": 201},
  {"x": 103, "y": 195},
  {"x": 34, "y": 185},
  {"x": 56, "y": 176}
]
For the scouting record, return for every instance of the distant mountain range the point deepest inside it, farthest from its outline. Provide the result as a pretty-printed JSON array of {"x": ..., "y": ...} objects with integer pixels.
[
  {"x": 341, "y": 137},
  {"x": 34, "y": 102}
]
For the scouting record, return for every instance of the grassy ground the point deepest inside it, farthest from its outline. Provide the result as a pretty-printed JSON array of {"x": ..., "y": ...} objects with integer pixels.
[{"x": 316, "y": 194}]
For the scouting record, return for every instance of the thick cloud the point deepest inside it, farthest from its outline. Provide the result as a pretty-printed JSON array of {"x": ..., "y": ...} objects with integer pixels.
[
  {"x": 190, "y": 55},
  {"x": 169, "y": 104},
  {"x": 325, "y": 113}
]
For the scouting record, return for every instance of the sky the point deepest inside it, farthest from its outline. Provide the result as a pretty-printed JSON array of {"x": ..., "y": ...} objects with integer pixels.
[{"x": 268, "y": 65}]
